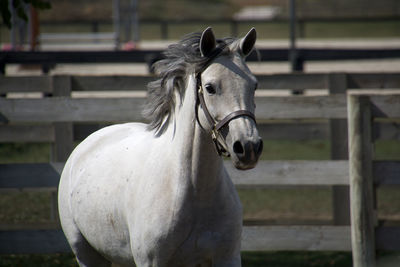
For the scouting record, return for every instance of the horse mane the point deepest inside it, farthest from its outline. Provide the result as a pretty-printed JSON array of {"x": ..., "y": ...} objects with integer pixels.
[{"x": 180, "y": 60}]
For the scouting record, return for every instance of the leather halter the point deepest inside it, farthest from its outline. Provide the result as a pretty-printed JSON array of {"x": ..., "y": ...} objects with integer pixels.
[{"x": 217, "y": 126}]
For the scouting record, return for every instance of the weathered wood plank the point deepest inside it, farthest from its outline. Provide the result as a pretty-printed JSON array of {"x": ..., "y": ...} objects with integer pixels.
[
  {"x": 296, "y": 238},
  {"x": 296, "y": 81},
  {"x": 111, "y": 83},
  {"x": 363, "y": 216},
  {"x": 301, "y": 107},
  {"x": 26, "y": 133},
  {"x": 267, "y": 173},
  {"x": 386, "y": 105},
  {"x": 299, "y": 130},
  {"x": 9, "y": 84},
  {"x": 33, "y": 242},
  {"x": 279, "y": 130},
  {"x": 29, "y": 175},
  {"x": 296, "y": 172},
  {"x": 386, "y": 172},
  {"x": 254, "y": 238},
  {"x": 374, "y": 80},
  {"x": 131, "y": 82},
  {"x": 64, "y": 109}
]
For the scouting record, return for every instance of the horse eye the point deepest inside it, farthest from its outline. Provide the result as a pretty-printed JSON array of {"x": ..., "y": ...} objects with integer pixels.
[{"x": 210, "y": 89}]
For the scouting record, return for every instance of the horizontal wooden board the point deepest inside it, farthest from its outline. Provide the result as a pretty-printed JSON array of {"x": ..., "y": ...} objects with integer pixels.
[
  {"x": 373, "y": 80},
  {"x": 64, "y": 109},
  {"x": 386, "y": 106},
  {"x": 26, "y": 133},
  {"x": 296, "y": 238},
  {"x": 295, "y": 172},
  {"x": 33, "y": 242},
  {"x": 295, "y": 81},
  {"x": 254, "y": 238},
  {"x": 30, "y": 175},
  {"x": 273, "y": 130},
  {"x": 266, "y": 173},
  {"x": 301, "y": 107},
  {"x": 10, "y": 84},
  {"x": 110, "y": 83},
  {"x": 386, "y": 172}
]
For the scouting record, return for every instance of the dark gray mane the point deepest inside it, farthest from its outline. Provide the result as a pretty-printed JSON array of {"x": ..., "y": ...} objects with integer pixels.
[{"x": 180, "y": 60}]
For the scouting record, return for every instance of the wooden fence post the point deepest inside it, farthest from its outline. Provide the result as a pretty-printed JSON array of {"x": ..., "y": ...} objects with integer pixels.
[
  {"x": 337, "y": 84},
  {"x": 361, "y": 181},
  {"x": 63, "y": 134}
]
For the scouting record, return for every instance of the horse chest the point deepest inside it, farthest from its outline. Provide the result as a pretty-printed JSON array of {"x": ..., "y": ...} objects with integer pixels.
[{"x": 203, "y": 244}]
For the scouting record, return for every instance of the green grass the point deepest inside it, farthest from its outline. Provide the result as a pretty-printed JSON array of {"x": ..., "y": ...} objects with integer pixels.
[
  {"x": 292, "y": 150},
  {"x": 299, "y": 203},
  {"x": 25, "y": 207},
  {"x": 24, "y": 152}
]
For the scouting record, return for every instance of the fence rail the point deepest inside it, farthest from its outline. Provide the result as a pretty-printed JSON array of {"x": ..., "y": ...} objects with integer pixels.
[
  {"x": 50, "y": 119},
  {"x": 50, "y": 58},
  {"x": 46, "y": 84}
]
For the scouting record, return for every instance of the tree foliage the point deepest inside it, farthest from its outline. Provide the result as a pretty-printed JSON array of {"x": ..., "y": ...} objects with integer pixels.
[{"x": 18, "y": 5}]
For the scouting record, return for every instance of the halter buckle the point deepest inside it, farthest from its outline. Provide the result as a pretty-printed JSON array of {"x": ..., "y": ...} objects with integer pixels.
[{"x": 214, "y": 134}]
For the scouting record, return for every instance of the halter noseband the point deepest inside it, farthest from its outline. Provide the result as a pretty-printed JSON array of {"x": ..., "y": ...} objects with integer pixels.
[{"x": 217, "y": 126}]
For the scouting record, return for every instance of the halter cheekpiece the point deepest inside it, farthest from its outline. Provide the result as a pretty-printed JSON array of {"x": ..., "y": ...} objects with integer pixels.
[{"x": 217, "y": 126}]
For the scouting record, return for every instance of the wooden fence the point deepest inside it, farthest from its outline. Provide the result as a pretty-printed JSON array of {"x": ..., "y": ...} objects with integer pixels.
[
  {"x": 61, "y": 119},
  {"x": 49, "y": 59}
]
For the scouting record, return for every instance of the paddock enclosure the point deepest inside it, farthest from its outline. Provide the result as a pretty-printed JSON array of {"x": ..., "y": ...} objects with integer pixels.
[{"x": 363, "y": 106}]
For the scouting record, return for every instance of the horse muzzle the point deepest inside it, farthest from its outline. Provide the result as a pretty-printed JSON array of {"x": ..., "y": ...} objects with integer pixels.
[
  {"x": 245, "y": 153},
  {"x": 244, "y": 143}
]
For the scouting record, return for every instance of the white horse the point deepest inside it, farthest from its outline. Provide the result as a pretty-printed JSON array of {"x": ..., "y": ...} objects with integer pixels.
[{"x": 158, "y": 194}]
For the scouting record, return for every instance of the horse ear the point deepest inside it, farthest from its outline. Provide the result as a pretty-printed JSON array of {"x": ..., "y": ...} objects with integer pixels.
[
  {"x": 207, "y": 42},
  {"x": 247, "y": 42}
]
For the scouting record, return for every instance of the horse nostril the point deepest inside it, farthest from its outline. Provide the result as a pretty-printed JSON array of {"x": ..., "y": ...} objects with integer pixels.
[{"x": 238, "y": 148}]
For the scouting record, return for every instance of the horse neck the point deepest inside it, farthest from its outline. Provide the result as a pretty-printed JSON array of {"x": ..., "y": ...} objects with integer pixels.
[{"x": 197, "y": 156}]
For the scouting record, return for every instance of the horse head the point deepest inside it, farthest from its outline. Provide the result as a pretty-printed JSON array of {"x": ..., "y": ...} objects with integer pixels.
[{"x": 226, "y": 90}]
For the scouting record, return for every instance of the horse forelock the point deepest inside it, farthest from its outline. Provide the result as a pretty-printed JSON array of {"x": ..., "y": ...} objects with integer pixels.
[{"x": 181, "y": 59}]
